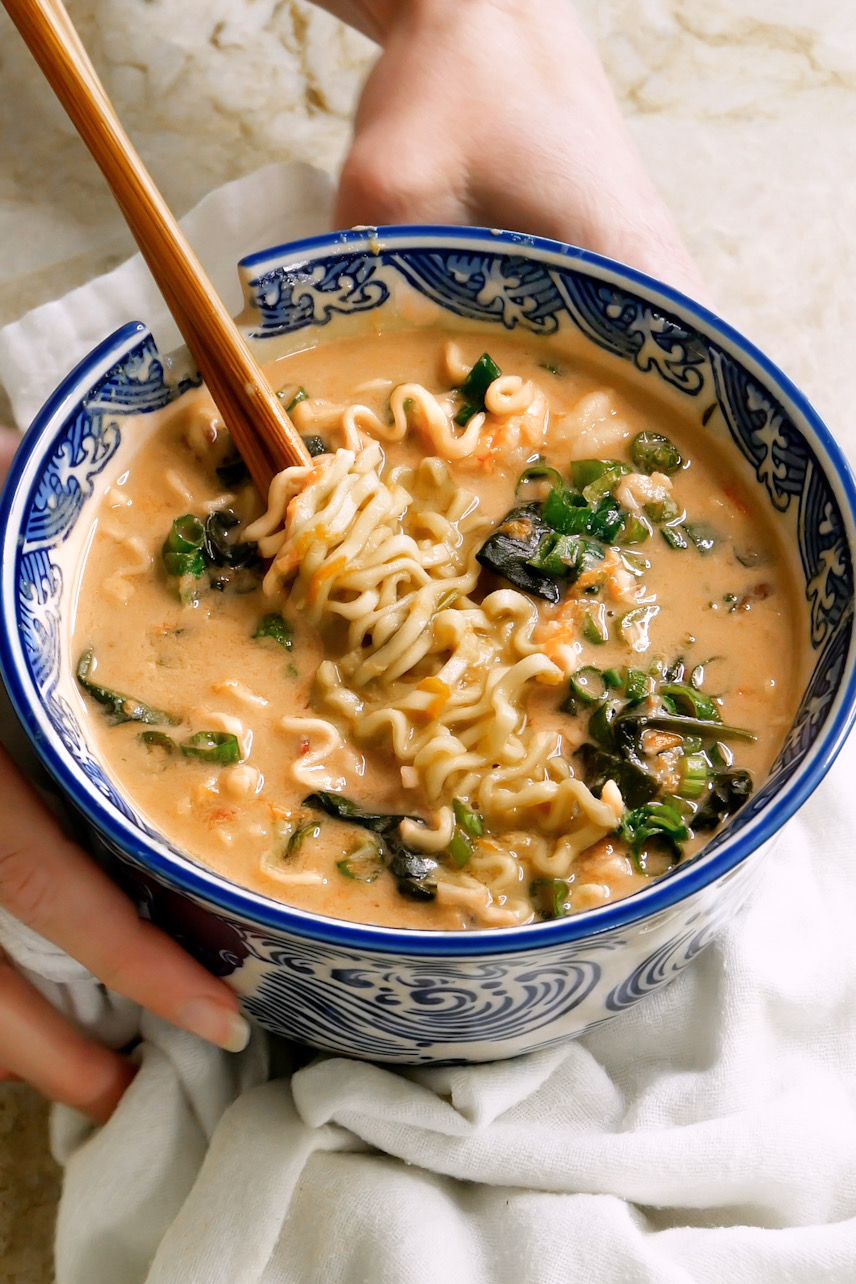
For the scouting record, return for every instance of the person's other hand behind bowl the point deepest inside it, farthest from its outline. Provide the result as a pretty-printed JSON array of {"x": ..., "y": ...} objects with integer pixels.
[
  {"x": 498, "y": 113},
  {"x": 491, "y": 112}
]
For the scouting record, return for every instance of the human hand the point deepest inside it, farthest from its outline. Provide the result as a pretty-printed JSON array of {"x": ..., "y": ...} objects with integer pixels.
[
  {"x": 497, "y": 112},
  {"x": 9, "y": 440},
  {"x": 53, "y": 887}
]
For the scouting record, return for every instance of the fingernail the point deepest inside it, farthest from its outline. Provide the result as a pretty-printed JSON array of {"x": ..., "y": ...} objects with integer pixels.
[{"x": 216, "y": 1023}]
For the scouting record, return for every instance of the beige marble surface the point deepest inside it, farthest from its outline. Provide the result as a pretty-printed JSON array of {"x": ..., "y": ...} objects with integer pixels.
[
  {"x": 208, "y": 89},
  {"x": 29, "y": 1189},
  {"x": 744, "y": 110}
]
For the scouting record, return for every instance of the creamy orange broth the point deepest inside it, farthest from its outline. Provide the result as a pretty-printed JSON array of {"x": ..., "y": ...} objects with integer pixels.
[{"x": 198, "y": 660}]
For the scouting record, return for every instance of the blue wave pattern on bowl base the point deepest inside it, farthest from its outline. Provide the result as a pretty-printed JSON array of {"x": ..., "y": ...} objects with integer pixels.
[
  {"x": 411, "y": 1010},
  {"x": 505, "y": 1001},
  {"x": 400, "y": 1008}
]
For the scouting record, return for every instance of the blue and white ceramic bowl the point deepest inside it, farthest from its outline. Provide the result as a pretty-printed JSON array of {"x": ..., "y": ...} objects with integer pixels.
[{"x": 408, "y": 996}]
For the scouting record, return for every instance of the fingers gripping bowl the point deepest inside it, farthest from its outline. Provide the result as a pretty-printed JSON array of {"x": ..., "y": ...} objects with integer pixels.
[{"x": 402, "y": 993}]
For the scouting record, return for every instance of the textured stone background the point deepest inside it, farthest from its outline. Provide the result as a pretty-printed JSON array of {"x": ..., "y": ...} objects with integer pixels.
[{"x": 744, "y": 110}]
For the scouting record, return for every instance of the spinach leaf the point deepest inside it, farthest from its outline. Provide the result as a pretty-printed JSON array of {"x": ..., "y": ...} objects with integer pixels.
[
  {"x": 117, "y": 706},
  {"x": 508, "y": 551},
  {"x": 411, "y": 870},
  {"x": 599, "y": 765},
  {"x": 729, "y": 791}
]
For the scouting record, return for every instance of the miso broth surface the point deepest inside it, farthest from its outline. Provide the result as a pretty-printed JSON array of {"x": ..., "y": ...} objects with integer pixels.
[{"x": 732, "y": 614}]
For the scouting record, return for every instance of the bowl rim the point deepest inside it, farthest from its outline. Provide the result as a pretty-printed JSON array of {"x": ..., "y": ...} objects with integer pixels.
[{"x": 184, "y": 873}]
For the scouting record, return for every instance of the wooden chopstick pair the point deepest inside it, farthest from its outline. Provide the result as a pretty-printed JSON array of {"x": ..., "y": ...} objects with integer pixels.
[{"x": 260, "y": 428}]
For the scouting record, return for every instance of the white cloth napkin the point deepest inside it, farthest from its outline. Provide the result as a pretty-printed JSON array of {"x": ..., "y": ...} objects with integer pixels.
[
  {"x": 707, "y": 1134},
  {"x": 275, "y": 204}
]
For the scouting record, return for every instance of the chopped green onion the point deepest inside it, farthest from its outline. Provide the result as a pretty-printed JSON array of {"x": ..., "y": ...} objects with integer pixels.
[
  {"x": 702, "y": 535},
  {"x": 634, "y": 626},
  {"x": 694, "y": 771},
  {"x": 588, "y": 685},
  {"x": 474, "y": 387},
  {"x": 720, "y": 756},
  {"x": 687, "y": 701},
  {"x": 566, "y": 511},
  {"x": 595, "y": 631},
  {"x": 298, "y": 834},
  {"x": 550, "y": 897},
  {"x": 119, "y": 707},
  {"x": 470, "y": 821},
  {"x": 604, "y": 484},
  {"x": 213, "y": 746},
  {"x": 654, "y": 820},
  {"x": 662, "y": 511},
  {"x": 590, "y": 556},
  {"x": 674, "y": 536},
  {"x": 460, "y": 848},
  {"x": 634, "y": 530},
  {"x": 186, "y": 534},
  {"x": 538, "y": 472},
  {"x": 363, "y": 863},
  {"x": 561, "y": 555},
  {"x": 557, "y": 555},
  {"x": 651, "y": 452},
  {"x": 613, "y": 679},
  {"x": 274, "y": 626},
  {"x": 300, "y": 395},
  {"x": 635, "y": 563},
  {"x": 180, "y": 564},
  {"x": 586, "y": 471},
  {"x": 182, "y": 551},
  {"x": 159, "y": 739},
  {"x": 445, "y": 600},
  {"x": 636, "y": 685}
]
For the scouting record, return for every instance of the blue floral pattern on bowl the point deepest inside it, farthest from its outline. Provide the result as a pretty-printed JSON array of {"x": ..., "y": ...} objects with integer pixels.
[{"x": 403, "y": 995}]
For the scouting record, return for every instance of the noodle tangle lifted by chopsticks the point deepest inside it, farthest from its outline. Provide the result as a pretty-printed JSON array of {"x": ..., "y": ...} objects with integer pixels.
[{"x": 380, "y": 561}]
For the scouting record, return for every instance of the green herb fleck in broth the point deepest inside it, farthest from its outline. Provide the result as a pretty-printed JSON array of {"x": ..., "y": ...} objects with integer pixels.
[
  {"x": 212, "y": 746},
  {"x": 117, "y": 706},
  {"x": 275, "y": 627},
  {"x": 474, "y": 387}
]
